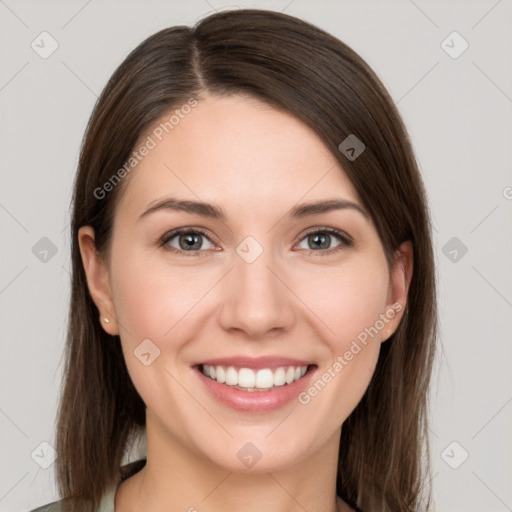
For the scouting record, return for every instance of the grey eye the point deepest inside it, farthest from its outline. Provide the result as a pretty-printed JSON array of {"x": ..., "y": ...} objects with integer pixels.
[{"x": 320, "y": 240}]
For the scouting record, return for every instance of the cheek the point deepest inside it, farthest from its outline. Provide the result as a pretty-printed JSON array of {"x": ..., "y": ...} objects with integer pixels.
[
  {"x": 347, "y": 300},
  {"x": 151, "y": 298},
  {"x": 153, "y": 302},
  {"x": 350, "y": 304}
]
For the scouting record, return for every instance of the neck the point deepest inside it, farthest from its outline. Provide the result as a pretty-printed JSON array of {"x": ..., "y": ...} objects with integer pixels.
[{"x": 176, "y": 478}]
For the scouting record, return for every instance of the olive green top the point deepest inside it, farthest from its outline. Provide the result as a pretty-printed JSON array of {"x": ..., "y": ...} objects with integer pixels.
[{"x": 107, "y": 500}]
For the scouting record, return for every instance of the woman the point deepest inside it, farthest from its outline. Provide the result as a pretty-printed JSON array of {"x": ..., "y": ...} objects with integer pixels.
[{"x": 253, "y": 283}]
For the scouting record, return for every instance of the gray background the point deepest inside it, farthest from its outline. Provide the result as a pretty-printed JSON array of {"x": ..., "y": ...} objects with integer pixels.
[{"x": 459, "y": 114}]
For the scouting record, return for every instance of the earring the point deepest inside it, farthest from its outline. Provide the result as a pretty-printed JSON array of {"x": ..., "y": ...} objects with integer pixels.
[{"x": 106, "y": 320}]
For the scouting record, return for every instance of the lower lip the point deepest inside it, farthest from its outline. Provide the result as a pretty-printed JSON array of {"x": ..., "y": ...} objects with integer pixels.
[{"x": 255, "y": 401}]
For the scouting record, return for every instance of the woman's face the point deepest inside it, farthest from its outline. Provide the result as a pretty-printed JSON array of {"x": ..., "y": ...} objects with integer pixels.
[{"x": 255, "y": 284}]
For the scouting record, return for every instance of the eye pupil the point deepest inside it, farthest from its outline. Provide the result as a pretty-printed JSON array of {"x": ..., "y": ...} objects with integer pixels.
[
  {"x": 191, "y": 241},
  {"x": 320, "y": 241}
]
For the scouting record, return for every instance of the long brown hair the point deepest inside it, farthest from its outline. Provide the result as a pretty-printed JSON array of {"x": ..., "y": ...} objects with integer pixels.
[{"x": 296, "y": 67}]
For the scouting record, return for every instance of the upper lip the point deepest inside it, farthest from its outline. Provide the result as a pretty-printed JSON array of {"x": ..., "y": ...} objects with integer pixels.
[{"x": 255, "y": 363}]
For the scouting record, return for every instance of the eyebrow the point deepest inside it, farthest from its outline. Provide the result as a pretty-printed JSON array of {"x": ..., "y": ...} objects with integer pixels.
[{"x": 216, "y": 212}]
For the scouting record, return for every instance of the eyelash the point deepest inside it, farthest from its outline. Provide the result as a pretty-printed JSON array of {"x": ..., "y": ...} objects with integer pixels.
[{"x": 344, "y": 240}]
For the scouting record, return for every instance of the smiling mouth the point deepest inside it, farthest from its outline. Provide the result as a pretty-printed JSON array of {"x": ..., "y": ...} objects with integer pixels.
[{"x": 263, "y": 379}]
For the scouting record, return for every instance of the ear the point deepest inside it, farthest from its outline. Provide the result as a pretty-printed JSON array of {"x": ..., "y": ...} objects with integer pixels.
[
  {"x": 400, "y": 279},
  {"x": 98, "y": 280}
]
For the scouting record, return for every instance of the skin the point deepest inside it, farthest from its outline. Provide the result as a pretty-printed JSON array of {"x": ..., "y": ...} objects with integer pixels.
[{"x": 256, "y": 163}]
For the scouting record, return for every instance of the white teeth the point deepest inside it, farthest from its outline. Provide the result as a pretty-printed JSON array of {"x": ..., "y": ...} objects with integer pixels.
[
  {"x": 246, "y": 378},
  {"x": 290, "y": 375},
  {"x": 264, "y": 379},
  {"x": 231, "y": 376},
  {"x": 221, "y": 375},
  {"x": 279, "y": 377},
  {"x": 255, "y": 380}
]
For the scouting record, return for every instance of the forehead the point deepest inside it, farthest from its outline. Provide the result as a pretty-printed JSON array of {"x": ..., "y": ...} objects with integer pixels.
[{"x": 235, "y": 150}]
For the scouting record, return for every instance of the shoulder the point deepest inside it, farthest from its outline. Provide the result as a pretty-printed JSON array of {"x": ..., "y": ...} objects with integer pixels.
[
  {"x": 54, "y": 506},
  {"x": 106, "y": 504},
  {"x": 107, "y": 500}
]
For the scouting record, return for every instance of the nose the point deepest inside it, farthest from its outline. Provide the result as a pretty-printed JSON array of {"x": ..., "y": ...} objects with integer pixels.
[{"x": 256, "y": 299}]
